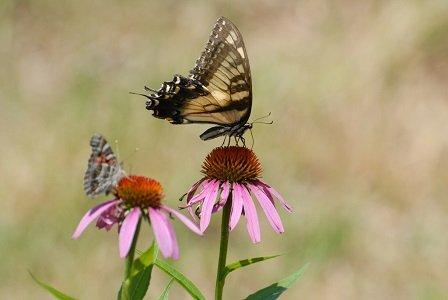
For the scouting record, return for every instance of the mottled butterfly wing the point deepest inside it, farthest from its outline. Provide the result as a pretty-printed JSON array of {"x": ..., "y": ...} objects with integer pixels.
[
  {"x": 103, "y": 169},
  {"x": 219, "y": 88},
  {"x": 223, "y": 69}
]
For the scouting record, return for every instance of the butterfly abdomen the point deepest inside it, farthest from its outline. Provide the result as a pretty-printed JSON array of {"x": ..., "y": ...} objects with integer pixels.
[{"x": 167, "y": 102}]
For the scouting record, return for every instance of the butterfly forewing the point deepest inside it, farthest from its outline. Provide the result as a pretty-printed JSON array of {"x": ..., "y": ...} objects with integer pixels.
[
  {"x": 103, "y": 169},
  {"x": 223, "y": 70}
]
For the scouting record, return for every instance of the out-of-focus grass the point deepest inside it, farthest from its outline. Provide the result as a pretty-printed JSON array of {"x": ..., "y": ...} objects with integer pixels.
[{"x": 358, "y": 92}]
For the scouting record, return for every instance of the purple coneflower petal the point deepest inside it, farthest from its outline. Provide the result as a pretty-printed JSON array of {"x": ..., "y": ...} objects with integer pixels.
[
  {"x": 110, "y": 217},
  {"x": 277, "y": 195},
  {"x": 251, "y": 216},
  {"x": 91, "y": 215},
  {"x": 237, "y": 206},
  {"x": 161, "y": 232},
  {"x": 202, "y": 194},
  {"x": 193, "y": 189},
  {"x": 193, "y": 227},
  {"x": 198, "y": 198},
  {"x": 207, "y": 205},
  {"x": 175, "y": 247},
  {"x": 225, "y": 190},
  {"x": 127, "y": 231},
  {"x": 268, "y": 208},
  {"x": 225, "y": 186}
]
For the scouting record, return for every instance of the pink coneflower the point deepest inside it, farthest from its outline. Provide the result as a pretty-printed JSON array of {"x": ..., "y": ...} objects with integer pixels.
[
  {"x": 233, "y": 173},
  {"x": 136, "y": 196}
]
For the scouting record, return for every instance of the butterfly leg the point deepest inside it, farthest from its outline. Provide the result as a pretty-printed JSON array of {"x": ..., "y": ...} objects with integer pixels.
[
  {"x": 224, "y": 141},
  {"x": 236, "y": 140},
  {"x": 243, "y": 140}
]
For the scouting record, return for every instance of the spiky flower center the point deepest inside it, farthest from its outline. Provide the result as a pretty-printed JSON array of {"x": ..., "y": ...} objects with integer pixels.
[
  {"x": 140, "y": 191},
  {"x": 233, "y": 163}
]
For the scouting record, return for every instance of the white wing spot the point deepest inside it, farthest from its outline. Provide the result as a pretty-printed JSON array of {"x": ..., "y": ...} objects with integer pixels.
[
  {"x": 241, "y": 51},
  {"x": 233, "y": 34},
  {"x": 229, "y": 40},
  {"x": 240, "y": 95}
]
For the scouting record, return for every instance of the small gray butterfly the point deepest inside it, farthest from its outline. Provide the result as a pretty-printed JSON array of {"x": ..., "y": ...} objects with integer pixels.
[{"x": 103, "y": 170}]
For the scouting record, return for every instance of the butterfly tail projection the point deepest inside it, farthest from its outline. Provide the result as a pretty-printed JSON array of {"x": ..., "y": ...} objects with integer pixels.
[{"x": 168, "y": 101}]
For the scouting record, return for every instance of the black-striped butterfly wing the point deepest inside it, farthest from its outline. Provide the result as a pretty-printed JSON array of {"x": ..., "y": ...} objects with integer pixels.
[
  {"x": 103, "y": 169},
  {"x": 219, "y": 88},
  {"x": 223, "y": 69}
]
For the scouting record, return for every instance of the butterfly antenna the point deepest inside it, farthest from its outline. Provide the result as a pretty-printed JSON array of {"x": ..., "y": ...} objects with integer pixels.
[
  {"x": 253, "y": 140},
  {"x": 267, "y": 123},
  {"x": 261, "y": 118},
  {"x": 148, "y": 89},
  {"x": 117, "y": 149},
  {"x": 146, "y": 96},
  {"x": 129, "y": 157}
]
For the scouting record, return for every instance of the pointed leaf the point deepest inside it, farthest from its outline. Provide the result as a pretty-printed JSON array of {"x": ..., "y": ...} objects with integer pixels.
[
  {"x": 180, "y": 278},
  {"x": 136, "y": 286},
  {"x": 165, "y": 293},
  {"x": 274, "y": 291},
  {"x": 56, "y": 293},
  {"x": 146, "y": 259},
  {"x": 245, "y": 262}
]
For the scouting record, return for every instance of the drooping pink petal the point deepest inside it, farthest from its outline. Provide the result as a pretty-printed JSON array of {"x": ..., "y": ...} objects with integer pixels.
[
  {"x": 161, "y": 232},
  {"x": 225, "y": 190},
  {"x": 202, "y": 194},
  {"x": 207, "y": 205},
  {"x": 175, "y": 247},
  {"x": 250, "y": 212},
  {"x": 110, "y": 217},
  {"x": 198, "y": 198},
  {"x": 237, "y": 206},
  {"x": 193, "y": 189},
  {"x": 91, "y": 215},
  {"x": 193, "y": 227},
  {"x": 218, "y": 206},
  {"x": 269, "y": 209},
  {"x": 127, "y": 231},
  {"x": 277, "y": 195}
]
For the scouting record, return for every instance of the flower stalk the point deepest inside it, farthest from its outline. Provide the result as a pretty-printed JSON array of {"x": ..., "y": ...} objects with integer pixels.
[
  {"x": 131, "y": 254},
  {"x": 224, "y": 241}
]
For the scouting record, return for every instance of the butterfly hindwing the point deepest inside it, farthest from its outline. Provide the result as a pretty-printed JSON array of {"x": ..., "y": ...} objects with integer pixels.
[
  {"x": 103, "y": 169},
  {"x": 219, "y": 88}
]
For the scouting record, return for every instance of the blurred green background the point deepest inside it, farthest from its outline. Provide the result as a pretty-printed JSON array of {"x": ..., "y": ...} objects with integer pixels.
[{"x": 359, "y": 97}]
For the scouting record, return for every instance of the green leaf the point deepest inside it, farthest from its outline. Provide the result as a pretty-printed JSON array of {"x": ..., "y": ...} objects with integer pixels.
[
  {"x": 165, "y": 293},
  {"x": 57, "y": 294},
  {"x": 274, "y": 291},
  {"x": 146, "y": 259},
  {"x": 245, "y": 262},
  {"x": 180, "y": 278},
  {"x": 136, "y": 286}
]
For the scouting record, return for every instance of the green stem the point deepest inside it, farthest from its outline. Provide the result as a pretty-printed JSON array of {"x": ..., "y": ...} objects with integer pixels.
[
  {"x": 130, "y": 257},
  {"x": 220, "y": 275}
]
